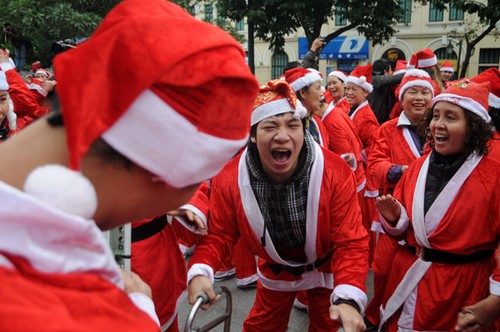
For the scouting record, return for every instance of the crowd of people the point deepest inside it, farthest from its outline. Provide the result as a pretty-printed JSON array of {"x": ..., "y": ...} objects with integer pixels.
[{"x": 297, "y": 187}]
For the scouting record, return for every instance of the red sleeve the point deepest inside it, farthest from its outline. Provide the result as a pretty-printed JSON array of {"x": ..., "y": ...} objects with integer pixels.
[
  {"x": 24, "y": 102},
  {"x": 367, "y": 126},
  {"x": 379, "y": 158}
]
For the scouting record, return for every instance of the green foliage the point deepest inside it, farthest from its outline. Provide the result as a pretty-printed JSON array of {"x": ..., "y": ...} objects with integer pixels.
[
  {"x": 274, "y": 19},
  {"x": 44, "y": 22}
]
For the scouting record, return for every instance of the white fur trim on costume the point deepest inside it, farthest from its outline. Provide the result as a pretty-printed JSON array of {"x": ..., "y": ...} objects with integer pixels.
[
  {"x": 170, "y": 146},
  {"x": 349, "y": 292},
  {"x": 247, "y": 281},
  {"x": 359, "y": 81},
  {"x": 308, "y": 280},
  {"x": 399, "y": 71},
  {"x": 493, "y": 100},
  {"x": 426, "y": 63},
  {"x": 200, "y": 270},
  {"x": 340, "y": 75},
  {"x": 401, "y": 226},
  {"x": 5, "y": 66},
  {"x": 64, "y": 189},
  {"x": 448, "y": 69},
  {"x": 145, "y": 304},
  {"x": 38, "y": 88},
  {"x": 467, "y": 103},
  {"x": 274, "y": 107},
  {"x": 413, "y": 83},
  {"x": 494, "y": 287},
  {"x": 191, "y": 226},
  {"x": 11, "y": 116},
  {"x": 306, "y": 80}
]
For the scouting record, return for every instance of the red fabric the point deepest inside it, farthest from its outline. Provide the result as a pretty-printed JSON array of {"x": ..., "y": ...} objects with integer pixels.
[
  {"x": 446, "y": 288},
  {"x": 159, "y": 262},
  {"x": 271, "y": 311},
  {"x": 328, "y": 96},
  {"x": 72, "y": 302},
  {"x": 179, "y": 75},
  {"x": 339, "y": 223},
  {"x": 366, "y": 124},
  {"x": 322, "y": 130},
  {"x": 494, "y": 148},
  {"x": 26, "y": 105}
]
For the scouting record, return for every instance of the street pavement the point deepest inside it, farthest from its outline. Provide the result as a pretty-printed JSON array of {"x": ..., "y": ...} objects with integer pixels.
[{"x": 242, "y": 303}]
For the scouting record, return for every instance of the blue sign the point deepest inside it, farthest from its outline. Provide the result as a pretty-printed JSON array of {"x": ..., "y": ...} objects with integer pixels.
[{"x": 341, "y": 47}]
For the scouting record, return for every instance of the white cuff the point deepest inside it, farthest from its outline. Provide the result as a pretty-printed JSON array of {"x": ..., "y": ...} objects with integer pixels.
[
  {"x": 401, "y": 226},
  {"x": 494, "y": 287},
  {"x": 349, "y": 292},
  {"x": 200, "y": 270},
  {"x": 353, "y": 164},
  {"x": 7, "y": 66},
  {"x": 144, "y": 303},
  {"x": 188, "y": 224}
]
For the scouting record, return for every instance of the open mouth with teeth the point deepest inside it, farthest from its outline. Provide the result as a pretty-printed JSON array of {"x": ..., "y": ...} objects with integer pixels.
[
  {"x": 281, "y": 156},
  {"x": 440, "y": 138}
]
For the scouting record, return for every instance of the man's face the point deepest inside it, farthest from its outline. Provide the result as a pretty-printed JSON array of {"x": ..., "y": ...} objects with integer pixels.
[
  {"x": 355, "y": 94},
  {"x": 279, "y": 140}
]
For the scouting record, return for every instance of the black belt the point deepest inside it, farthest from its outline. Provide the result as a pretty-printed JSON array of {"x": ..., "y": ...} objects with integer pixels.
[
  {"x": 298, "y": 270},
  {"x": 149, "y": 229},
  {"x": 438, "y": 256}
]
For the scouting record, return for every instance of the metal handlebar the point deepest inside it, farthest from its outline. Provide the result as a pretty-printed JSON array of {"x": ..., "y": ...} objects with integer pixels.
[{"x": 203, "y": 299}]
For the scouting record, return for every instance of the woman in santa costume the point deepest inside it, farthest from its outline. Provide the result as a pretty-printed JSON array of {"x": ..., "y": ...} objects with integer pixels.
[
  {"x": 282, "y": 184},
  {"x": 124, "y": 147},
  {"x": 445, "y": 207},
  {"x": 396, "y": 144},
  {"x": 8, "y": 119}
]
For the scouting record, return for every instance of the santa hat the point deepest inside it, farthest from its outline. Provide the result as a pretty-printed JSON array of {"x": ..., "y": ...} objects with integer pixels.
[
  {"x": 491, "y": 75},
  {"x": 423, "y": 59},
  {"x": 339, "y": 74},
  {"x": 41, "y": 71},
  {"x": 447, "y": 66},
  {"x": 414, "y": 77},
  {"x": 4, "y": 85},
  {"x": 365, "y": 71},
  {"x": 401, "y": 67},
  {"x": 299, "y": 77},
  {"x": 182, "y": 116},
  {"x": 471, "y": 96},
  {"x": 276, "y": 97},
  {"x": 360, "y": 81}
]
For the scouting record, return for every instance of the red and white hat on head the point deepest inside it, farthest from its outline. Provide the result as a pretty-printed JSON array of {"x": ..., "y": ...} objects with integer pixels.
[
  {"x": 299, "y": 77},
  {"x": 491, "y": 75},
  {"x": 4, "y": 85},
  {"x": 401, "y": 67},
  {"x": 182, "y": 116},
  {"x": 423, "y": 59},
  {"x": 365, "y": 71},
  {"x": 471, "y": 96},
  {"x": 361, "y": 80},
  {"x": 447, "y": 66},
  {"x": 276, "y": 97},
  {"x": 41, "y": 71},
  {"x": 414, "y": 77},
  {"x": 339, "y": 74}
]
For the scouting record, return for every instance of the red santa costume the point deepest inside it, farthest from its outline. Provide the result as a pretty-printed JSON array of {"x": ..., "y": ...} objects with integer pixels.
[
  {"x": 8, "y": 118},
  {"x": 56, "y": 268},
  {"x": 393, "y": 146},
  {"x": 335, "y": 250},
  {"x": 453, "y": 265}
]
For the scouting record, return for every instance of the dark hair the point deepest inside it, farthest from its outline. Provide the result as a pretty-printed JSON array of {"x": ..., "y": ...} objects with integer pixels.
[
  {"x": 99, "y": 147},
  {"x": 495, "y": 117},
  {"x": 476, "y": 138},
  {"x": 381, "y": 65},
  {"x": 291, "y": 65}
]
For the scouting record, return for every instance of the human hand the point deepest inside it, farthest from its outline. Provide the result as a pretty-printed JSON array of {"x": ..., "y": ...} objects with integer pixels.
[
  {"x": 49, "y": 85},
  {"x": 134, "y": 284},
  {"x": 388, "y": 207},
  {"x": 199, "y": 285},
  {"x": 479, "y": 316},
  {"x": 403, "y": 169},
  {"x": 4, "y": 55},
  {"x": 348, "y": 316},
  {"x": 192, "y": 217},
  {"x": 317, "y": 44}
]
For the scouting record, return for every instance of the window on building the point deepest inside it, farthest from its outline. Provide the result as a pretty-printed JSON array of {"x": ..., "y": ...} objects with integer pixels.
[
  {"x": 279, "y": 60},
  {"x": 405, "y": 17},
  {"x": 192, "y": 10},
  {"x": 442, "y": 54},
  {"x": 240, "y": 25},
  {"x": 435, "y": 14},
  {"x": 209, "y": 13},
  {"x": 488, "y": 58},
  {"x": 456, "y": 14},
  {"x": 340, "y": 19}
]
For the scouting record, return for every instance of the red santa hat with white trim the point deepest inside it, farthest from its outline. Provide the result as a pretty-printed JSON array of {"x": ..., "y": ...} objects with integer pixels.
[
  {"x": 182, "y": 116},
  {"x": 339, "y": 74},
  {"x": 491, "y": 75},
  {"x": 414, "y": 77},
  {"x": 276, "y": 97},
  {"x": 423, "y": 59},
  {"x": 359, "y": 77},
  {"x": 469, "y": 95},
  {"x": 299, "y": 77},
  {"x": 447, "y": 66},
  {"x": 401, "y": 67}
]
